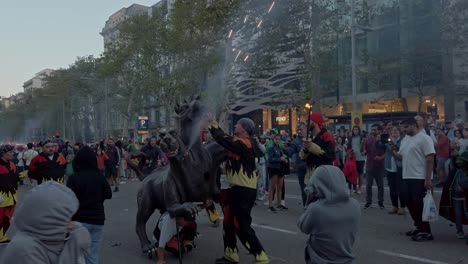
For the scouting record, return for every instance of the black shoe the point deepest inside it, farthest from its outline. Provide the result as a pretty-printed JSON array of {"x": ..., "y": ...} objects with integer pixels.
[
  {"x": 4, "y": 243},
  {"x": 421, "y": 237},
  {"x": 223, "y": 260},
  {"x": 412, "y": 233},
  {"x": 367, "y": 205},
  {"x": 116, "y": 189},
  {"x": 381, "y": 206},
  {"x": 271, "y": 209},
  {"x": 282, "y": 208}
]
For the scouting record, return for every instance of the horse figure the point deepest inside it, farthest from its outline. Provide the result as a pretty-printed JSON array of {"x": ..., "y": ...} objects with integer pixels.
[{"x": 190, "y": 176}]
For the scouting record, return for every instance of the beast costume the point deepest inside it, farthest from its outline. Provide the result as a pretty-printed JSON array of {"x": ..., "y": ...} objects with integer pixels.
[
  {"x": 237, "y": 201},
  {"x": 8, "y": 194},
  {"x": 44, "y": 168}
]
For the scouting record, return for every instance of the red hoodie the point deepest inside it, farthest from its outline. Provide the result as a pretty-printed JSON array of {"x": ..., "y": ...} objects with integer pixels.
[
  {"x": 349, "y": 169},
  {"x": 100, "y": 160}
]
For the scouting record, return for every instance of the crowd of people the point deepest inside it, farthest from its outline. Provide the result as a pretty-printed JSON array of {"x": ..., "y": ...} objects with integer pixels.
[{"x": 330, "y": 168}]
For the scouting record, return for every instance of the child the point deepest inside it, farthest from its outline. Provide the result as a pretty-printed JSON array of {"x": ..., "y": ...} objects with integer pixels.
[
  {"x": 453, "y": 204},
  {"x": 350, "y": 169},
  {"x": 101, "y": 158}
]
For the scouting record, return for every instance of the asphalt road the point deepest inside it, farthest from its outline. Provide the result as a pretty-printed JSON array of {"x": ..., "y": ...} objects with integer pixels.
[{"x": 380, "y": 239}]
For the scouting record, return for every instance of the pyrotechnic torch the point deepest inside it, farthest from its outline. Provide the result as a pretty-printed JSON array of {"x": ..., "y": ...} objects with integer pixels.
[{"x": 309, "y": 108}]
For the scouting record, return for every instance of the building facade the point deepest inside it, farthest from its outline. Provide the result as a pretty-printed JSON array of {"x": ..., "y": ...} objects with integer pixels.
[
  {"x": 38, "y": 81},
  {"x": 402, "y": 64},
  {"x": 111, "y": 30}
]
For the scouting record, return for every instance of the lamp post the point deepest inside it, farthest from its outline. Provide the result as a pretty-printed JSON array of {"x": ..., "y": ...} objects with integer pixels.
[{"x": 353, "y": 54}]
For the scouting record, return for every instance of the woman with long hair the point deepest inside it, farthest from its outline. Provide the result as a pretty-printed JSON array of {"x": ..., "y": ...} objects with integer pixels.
[{"x": 355, "y": 143}]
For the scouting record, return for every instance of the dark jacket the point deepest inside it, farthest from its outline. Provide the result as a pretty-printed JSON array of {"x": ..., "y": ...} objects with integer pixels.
[
  {"x": 113, "y": 154},
  {"x": 240, "y": 167},
  {"x": 90, "y": 187},
  {"x": 294, "y": 150},
  {"x": 44, "y": 169},
  {"x": 274, "y": 157},
  {"x": 326, "y": 141},
  {"x": 446, "y": 209}
]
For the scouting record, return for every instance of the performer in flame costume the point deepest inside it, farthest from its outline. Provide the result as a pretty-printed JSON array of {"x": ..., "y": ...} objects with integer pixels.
[
  {"x": 8, "y": 190},
  {"x": 48, "y": 165},
  {"x": 238, "y": 200}
]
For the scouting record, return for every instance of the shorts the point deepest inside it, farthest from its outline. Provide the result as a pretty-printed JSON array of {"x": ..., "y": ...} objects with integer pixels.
[
  {"x": 110, "y": 171},
  {"x": 360, "y": 166},
  {"x": 274, "y": 171},
  {"x": 441, "y": 164}
]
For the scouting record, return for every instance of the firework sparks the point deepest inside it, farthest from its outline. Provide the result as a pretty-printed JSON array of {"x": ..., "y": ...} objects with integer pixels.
[
  {"x": 271, "y": 7},
  {"x": 260, "y": 24},
  {"x": 238, "y": 54},
  {"x": 230, "y": 34},
  {"x": 246, "y": 58}
]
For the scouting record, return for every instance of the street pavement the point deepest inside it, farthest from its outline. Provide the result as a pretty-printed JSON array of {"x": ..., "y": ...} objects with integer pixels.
[{"x": 381, "y": 237}]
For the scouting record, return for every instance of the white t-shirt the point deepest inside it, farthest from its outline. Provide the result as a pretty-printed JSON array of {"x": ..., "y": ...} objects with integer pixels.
[
  {"x": 29, "y": 155},
  {"x": 413, "y": 151}
]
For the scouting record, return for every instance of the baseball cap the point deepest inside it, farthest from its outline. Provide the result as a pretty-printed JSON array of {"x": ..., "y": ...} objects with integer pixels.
[{"x": 317, "y": 118}]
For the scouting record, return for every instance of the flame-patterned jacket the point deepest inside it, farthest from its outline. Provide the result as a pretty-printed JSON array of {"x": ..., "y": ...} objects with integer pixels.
[
  {"x": 44, "y": 169},
  {"x": 8, "y": 183},
  {"x": 240, "y": 167}
]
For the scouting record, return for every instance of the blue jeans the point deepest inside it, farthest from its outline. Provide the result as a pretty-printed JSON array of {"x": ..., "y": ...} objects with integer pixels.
[{"x": 95, "y": 231}]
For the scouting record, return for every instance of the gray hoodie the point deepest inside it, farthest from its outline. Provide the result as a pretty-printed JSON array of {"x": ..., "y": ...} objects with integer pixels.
[
  {"x": 42, "y": 236},
  {"x": 331, "y": 219}
]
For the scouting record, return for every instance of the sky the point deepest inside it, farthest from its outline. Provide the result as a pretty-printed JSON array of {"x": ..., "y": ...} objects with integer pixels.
[{"x": 35, "y": 35}]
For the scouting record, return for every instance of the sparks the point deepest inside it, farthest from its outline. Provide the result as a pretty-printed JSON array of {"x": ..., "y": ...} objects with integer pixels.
[
  {"x": 271, "y": 7},
  {"x": 246, "y": 58},
  {"x": 230, "y": 34},
  {"x": 238, "y": 54},
  {"x": 260, "y": 24},
  {"x": 245, "y": 19},
  {"x": 234, "y": 49}
]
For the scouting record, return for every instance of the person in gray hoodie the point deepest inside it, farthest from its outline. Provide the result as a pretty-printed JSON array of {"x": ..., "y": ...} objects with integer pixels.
[
  {"x": 331, "y": 219},
  {"x": 45, "y": 233}
]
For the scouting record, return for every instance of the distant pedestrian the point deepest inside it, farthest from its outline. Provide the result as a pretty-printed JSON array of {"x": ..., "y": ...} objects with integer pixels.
[
  {"x": 112, "y": 164},
  {"x": 442, "y": 149},
  {"x": 375, "y": 151},
  {"x": 331, "y": 219},
  {"x": 356, "y": 142},
  {"x": 395, "y": 174},
  {"x": 293, "y": 151},
  {"x": 275, "y": 172},
  {"x": 29, "y": 155},
  {"x": 92, "y": 189},
  {"x": 45, "y": 233}
]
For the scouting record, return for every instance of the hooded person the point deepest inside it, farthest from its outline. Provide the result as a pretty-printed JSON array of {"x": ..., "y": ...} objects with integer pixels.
[
  {"x": 92, "y": 189},
  {"x": 331, "y": 219},
  {"x": 45, "y": 233}
]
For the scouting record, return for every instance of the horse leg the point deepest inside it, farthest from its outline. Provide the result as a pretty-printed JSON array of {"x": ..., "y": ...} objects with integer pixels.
[{"x": 145, "y": 210}]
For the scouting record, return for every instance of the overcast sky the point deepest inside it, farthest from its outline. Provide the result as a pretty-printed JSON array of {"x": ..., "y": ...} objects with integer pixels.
[{"x": 35, "y": 35}]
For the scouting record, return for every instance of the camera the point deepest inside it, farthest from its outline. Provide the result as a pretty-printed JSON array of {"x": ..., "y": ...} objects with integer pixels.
[{"x": 385, "y": 138}]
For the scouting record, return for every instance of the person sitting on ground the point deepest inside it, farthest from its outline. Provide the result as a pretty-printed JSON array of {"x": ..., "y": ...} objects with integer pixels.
[
  {"x": 168, "y": 239},
  {"x": 331, "y": 219},
  {"x": 45, "y": 233}
]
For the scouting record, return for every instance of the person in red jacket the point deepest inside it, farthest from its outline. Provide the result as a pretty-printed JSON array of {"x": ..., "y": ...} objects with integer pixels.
[
  {"x": 8, "y": 190},
  {"x": 350, "y": 169},
  {"x": 47, "y": 166},
  {"x": 443, "y": 154},
  {"x": 101, "y": 158}
]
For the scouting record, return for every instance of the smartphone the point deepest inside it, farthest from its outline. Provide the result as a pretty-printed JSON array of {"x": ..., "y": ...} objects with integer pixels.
[{"x": 385, "y": 138}]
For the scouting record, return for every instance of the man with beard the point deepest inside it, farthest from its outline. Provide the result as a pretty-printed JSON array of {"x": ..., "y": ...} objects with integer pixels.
[
  {"x": 47, "y": 166},
  {"x": 238, "y": 200},
  {"x": 319, "y": 151},
  {"x": 417, "y": 156}
]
